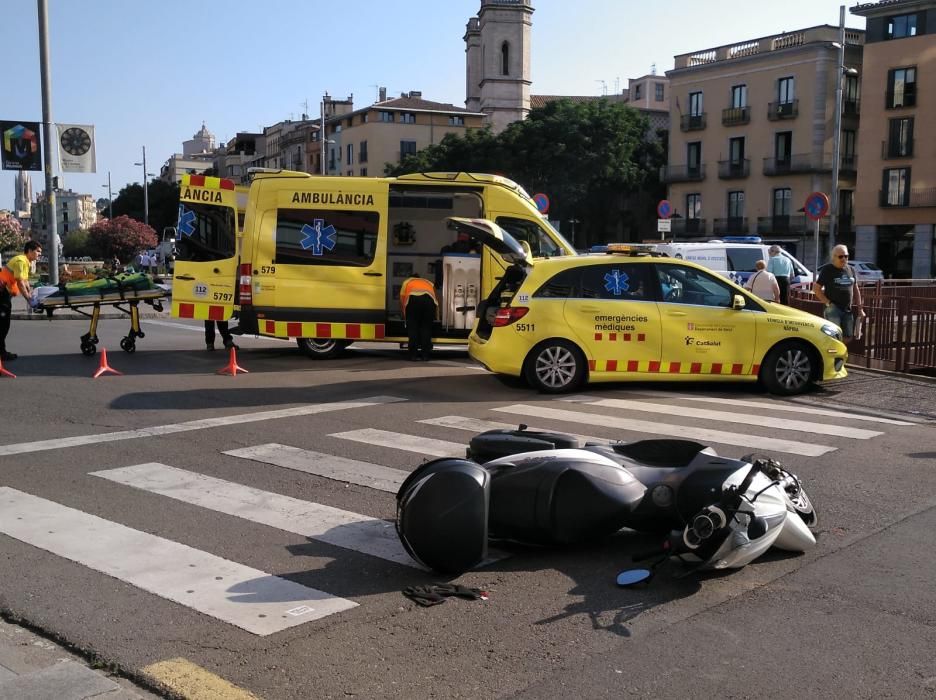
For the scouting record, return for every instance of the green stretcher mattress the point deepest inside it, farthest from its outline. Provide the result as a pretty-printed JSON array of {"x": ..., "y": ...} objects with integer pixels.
[{"x": 107, "y": 290}]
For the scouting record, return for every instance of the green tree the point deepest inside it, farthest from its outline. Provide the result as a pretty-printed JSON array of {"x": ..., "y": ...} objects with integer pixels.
[
  {"x": 121, "y": 237},
  {"x": 12, "y": 236},
  {"x": 77, "y": 244},
  {"x": 163, "y": 203}
]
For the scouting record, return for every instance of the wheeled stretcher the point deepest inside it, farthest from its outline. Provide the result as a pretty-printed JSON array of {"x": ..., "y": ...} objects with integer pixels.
[{"x": 123, "y": 292}]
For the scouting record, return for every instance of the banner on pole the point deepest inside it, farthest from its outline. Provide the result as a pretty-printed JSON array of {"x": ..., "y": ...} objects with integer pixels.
[
  {"x": 76, "y": 148},
  {"x": 21, "y": 148}
]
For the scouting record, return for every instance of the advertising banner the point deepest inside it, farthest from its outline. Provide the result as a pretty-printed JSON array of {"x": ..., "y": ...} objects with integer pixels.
[
  {"x": 21, "y": 147},
  {"x": 76, "y": 148}
]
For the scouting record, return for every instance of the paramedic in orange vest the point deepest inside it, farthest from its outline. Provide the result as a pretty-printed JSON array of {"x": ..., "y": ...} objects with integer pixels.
[
  {"x": 14, "y": 280},
  {"x": 419, "y": 304}
]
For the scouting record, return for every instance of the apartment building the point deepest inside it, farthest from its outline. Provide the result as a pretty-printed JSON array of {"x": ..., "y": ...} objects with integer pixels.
[
  {"x": 73, "y": 210},
  {"x": 752, "y": 136},
  {"x": 895, "y": 202},
  {"x": 363, "y": 141}
]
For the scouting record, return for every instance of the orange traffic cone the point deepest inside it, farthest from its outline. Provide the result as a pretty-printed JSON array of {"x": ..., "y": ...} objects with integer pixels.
[
  {"x": 104, "y": 367},
  {"x": 232, "y": 367},
  {"x": 5, "y": 373}
]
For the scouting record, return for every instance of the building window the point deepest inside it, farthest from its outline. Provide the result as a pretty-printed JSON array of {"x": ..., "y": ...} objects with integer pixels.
[
  {"x": 897, "y": 187},
  {"x": 694, "y": 158},
  {"x": 901, "y": 87},
  {"x": 782, "y": 197},
  {"x": 901, "y": 26},
  {"x": 350, "y": 154},
  {"x": 693, "y": 206},
  {"x": 660, "y": 91},
  {"x": 456, "y": 121},
  {"x": 407, "y": 118},
  {"x": 738, "y": 96},
  {"x": 386, "y": 116},
  {"x": 505, "y": 58},
  {"x": 638, "y": 91},
  {"x": 407, "y": 148},
  {"x": 849, "y": 141},
  {"x": 362, "y": 152},
  {"x": 735, "y": 205},
  {"x": 363, "y": 172},
  {"x": 365, "y": 117},
  {"x": 331, "y": 160},
  {"x": 786, "y": 88},
  {"x": 783, "y": 146},
  {"x": 900, "y": 138},
  {"x": 695, "y": 104},
  {"x": 736, "y": 151}
]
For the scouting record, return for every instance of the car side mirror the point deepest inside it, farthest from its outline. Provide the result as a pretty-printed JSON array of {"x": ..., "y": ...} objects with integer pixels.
[{"x": 737, "y": 303}]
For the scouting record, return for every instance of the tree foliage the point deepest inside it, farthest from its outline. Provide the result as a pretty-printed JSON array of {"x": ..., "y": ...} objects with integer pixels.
[
  {"x": 12, "y": 235},
  {"x": 77, "y": 244},
  {"x": 163, "y": 203},
  {"x": 589, "y": 157},
  {"x": 121, "y": 237}
]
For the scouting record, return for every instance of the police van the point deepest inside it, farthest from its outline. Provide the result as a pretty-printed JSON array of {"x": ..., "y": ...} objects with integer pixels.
[
  {"x": 322, "y": 259},
  {"x": 734, "y": 257}
]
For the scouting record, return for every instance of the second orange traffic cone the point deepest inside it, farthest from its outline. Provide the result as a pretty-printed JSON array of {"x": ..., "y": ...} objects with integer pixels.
[
  {"x": 104, "y": 367},
  {"x": 6, "y": 373},
  {"x": 232, "y": 367}
]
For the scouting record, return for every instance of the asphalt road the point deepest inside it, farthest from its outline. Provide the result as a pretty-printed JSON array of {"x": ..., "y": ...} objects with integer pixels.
[{"x": 171, "y": 560}]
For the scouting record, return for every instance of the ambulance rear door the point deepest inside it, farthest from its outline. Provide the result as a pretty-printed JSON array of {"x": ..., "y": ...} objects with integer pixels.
[{"x": 205, "y": 274}]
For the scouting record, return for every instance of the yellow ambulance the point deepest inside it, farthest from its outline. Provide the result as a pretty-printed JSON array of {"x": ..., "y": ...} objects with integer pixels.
[{"x": 322, "y": 259}]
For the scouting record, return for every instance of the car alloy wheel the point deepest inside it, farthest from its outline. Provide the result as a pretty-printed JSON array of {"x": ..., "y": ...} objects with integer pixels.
[
  {"x": 788, "y": 369},
  {"x": 555, "y": 367}
]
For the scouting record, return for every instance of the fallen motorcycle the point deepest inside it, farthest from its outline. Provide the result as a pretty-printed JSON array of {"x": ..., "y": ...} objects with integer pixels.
[{"x": 545, "y": 488}]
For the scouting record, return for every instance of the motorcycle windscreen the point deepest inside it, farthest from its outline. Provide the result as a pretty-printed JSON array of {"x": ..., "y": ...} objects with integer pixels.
[{"x": 205, "y": 275}]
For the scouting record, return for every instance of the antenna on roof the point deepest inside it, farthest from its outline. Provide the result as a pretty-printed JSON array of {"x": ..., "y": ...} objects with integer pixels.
[
  {"x": 653, "y": 69},
  {"x": 604, "y": 86}
]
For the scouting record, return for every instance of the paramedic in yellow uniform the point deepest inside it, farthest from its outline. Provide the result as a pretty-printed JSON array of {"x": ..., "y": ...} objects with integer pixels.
[
  {"x": 14, "y": 280},
  {"x": 419, "y": 303}
]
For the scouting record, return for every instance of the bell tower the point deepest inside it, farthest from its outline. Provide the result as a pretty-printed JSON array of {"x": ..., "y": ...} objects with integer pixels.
[{"x": 497, "y": 55}]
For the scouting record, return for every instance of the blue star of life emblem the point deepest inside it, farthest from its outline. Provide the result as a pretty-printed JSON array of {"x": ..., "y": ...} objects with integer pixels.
[
  {"x": 186, "y": 223},
  {"x": 318, "y": 236},
  {"x": 616, "y": 282}
]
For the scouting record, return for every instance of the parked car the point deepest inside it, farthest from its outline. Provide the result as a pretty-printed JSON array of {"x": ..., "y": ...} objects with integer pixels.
[{"x": 866, "y": 271}]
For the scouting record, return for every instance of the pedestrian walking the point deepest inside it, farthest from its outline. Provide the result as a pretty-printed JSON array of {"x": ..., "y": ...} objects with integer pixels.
[
  {"x": 780, "y": 267},
  {"x": 225, "y": 332},
  {"x": 763, "y": 283},
  {"x": 420, "y": 308},
  {"x": 14, "y": 281},
  {"x": 837, "y": 287}
]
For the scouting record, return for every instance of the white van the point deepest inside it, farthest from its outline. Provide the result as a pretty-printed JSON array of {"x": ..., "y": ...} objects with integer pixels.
[{"x": 734, "y": 257}]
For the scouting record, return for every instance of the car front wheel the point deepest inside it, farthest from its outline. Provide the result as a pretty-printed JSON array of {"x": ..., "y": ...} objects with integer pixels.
[
  {"x": 788, "y": 369},
  {"x": 555, "y": 366},
  {"x": 322, "y": 348}
]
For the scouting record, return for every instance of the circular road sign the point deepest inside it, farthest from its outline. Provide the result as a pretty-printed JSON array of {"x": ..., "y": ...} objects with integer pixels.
[
  {"x": 542, "y": 202},
  {"x": 664, "y": 209},
  {"x": 817, "y": 205}
]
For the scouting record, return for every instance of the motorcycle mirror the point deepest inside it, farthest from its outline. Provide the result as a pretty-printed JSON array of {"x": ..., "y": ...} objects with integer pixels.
[{"x": 631, "y": 577}]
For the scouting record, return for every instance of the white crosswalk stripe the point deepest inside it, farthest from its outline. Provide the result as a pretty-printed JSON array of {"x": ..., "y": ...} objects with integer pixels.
[
  {"x": 797, "y": 408},
  {"x": 240, "y": 595},
  {"x": 475, "y": 425},
  {"x": 704, "y": 435},
  {"x": 319, "y": 522},
  {"x": 352, "y": 471},
  {"x": 400, "y": 441}
]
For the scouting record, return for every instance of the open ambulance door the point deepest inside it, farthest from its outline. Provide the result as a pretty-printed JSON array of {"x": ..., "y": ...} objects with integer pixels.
[{"x": 205, "y": 275}]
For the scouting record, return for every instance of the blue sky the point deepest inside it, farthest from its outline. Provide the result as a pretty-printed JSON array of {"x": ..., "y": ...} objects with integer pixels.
[{"x": 149, "y": 73}]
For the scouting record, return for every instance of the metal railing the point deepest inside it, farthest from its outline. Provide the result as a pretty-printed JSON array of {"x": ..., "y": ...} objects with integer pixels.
[
  {"x": 895, "y": 148},
  {"x": 734, "y": 116},
  {"x": 782, "y": 110},
  {"x": 734, "y": 169},
  {"x": 798, "y": 163},
  {"x": 732, "y": 225},
  {"x": 914, "y": 197},
  {"x": 692, "y": 122},
  {"x": 899, "y": 332},
  {"x": 682, "y": 173}
]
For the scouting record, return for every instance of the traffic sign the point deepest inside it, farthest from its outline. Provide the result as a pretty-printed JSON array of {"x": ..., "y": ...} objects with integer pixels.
[
  {"x": 664, "y": 209},
  {"x": 817, "y": 205},
  {"x": 542, "y": 202},
  {"x": 664, "y": 225}
]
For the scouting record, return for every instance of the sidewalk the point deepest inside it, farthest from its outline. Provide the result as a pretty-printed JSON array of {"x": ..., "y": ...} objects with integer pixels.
[{"x": 35, "y": 668}]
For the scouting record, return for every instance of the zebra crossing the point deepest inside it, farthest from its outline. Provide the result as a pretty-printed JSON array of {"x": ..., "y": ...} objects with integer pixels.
[{"x": 264, "y": 603}]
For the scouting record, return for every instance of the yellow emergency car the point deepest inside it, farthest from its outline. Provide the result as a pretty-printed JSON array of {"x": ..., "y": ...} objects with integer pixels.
[{"x": 639, "y": 316}]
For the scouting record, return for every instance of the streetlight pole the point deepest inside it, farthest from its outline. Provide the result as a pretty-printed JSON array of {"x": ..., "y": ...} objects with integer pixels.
[
  {"x": 322, "y": 140},
  {"x": 46, "y": 81},
  {"x": 145, "y": 189},
  {"x": 837, "y": 133},
  {"x": 110, "y": 198}
]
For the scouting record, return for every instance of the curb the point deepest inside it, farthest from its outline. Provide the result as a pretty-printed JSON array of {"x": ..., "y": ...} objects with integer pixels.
[{"x": 926, "y": 379}]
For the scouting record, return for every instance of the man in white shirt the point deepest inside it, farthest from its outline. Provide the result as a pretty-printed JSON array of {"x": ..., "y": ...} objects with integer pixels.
[{"x": 763, "y": 284}]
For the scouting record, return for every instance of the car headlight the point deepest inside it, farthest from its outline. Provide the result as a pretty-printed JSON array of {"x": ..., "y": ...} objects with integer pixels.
[{"x": 832, "y": 331}]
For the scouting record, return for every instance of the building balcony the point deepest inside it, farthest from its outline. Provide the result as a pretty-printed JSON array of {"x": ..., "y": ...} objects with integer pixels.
[
  {"x": 851, "y": 107},
  {"x": 845, "y": 224},
  {"x": 898, "y": 99},
  {"x": 682, "y": 173},
  {"x": 688, "y": 227},
  {"x": 735, "y": 116},
  {"x": 797, "y": 223},
  {"x": 911, "y": 198},
  {"x": 733, "y": 225},
  {"x": 692, "y": 122},
  {"x": 734, "y": 169},
  {"x": 782, "y": 110},
  {"x": 848, "y": 164},
  {"x": 893, "y": 148},
  {"x": 794, "y": 165}
]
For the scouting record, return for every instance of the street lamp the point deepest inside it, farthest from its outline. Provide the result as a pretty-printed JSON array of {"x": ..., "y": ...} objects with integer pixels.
[
  {"x": 841, "y": 72},
  {"x": 145, "y": 188},
  {"x": 110, "y": 197}
]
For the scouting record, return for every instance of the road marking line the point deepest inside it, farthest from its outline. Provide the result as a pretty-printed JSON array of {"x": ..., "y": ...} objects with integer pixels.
[
  {"x": 796, "y": 408},
  {"x": 702, "y": 434},
  {"x": 402, "y": 441},
  {"x": 192, "y": 682},
  {"x": 240, "y": 595},
  {"x": 746, "y": 419},
  {"x": 80, "y": 440},
  {"x": 475, "y": 425},
  {"x": 374, "y": 476},
  {"x": 341, "y": 528}
]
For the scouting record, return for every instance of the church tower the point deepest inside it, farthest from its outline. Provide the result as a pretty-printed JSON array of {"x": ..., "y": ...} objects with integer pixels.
[
  {"x": 22, "y": 200},
  {"x": 497, "y": 56}
]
